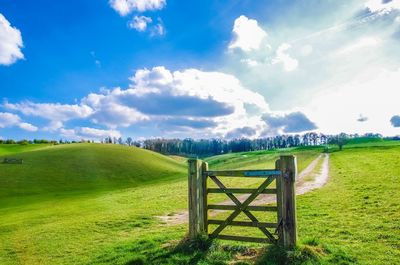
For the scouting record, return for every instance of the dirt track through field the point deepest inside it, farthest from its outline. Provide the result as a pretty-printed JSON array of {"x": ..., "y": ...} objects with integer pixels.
[{"x": 307, "y": 180}]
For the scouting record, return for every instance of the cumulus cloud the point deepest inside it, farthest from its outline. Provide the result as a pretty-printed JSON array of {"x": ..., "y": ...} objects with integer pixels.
[
  {"x": 125, "y": 7},
  {"x": 184, "y": 126},
  {"x": 395, "y": 121},
  {"x": 188, "y": 98},
  {"x": 51, "y": 111},
  {"x": 382, "y": 6},
  {"x": 140, "y": 23},
  {"x": 208, "y": 87},
  {"x": 294, "y": 122},
  {"x": 53, "y": 126},
  {"x": 244, "y": 132},
  {"x": 10, "y": 42},
  {"x": 247, "y": 34},
  {"x": 283, "y": 57},
  {"x": 113, "y": 114},
  {"x": 212, "y": 103},
  {"x": 27, "y": 127},
  {"x": 88, "y": 133},
  {"x": 11, "y": 120}
]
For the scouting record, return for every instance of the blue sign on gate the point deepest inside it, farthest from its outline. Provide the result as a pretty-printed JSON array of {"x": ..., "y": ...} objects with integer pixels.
[{"x": 262, "y": 173}]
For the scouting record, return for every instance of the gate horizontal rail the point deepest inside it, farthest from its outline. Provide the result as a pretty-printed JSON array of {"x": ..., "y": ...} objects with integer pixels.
[
  {"x": 236, "y": 190},
  {"x": 249, "y": 208},
  {"x": 246, "y": 224},
  {"x": 243, "y": 173}
]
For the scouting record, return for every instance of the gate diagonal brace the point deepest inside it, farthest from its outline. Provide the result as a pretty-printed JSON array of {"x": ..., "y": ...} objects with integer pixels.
[{"x": 241, "y": 207}]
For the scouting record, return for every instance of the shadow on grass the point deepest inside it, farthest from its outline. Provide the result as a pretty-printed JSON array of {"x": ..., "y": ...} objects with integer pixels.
[
  {"x": 184, "y": 252},
  {"x": 203, "y": 251}
]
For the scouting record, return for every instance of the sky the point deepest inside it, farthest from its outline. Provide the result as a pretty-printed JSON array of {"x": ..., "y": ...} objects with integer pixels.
[{"x": 84, "y": 69}]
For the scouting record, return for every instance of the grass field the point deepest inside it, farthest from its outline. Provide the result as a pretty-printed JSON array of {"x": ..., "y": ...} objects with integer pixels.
[{"x": 98, "y": 204}]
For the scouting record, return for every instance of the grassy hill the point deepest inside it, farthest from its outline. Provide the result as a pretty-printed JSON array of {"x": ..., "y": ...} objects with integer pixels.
[
  {"x": 10, "y": 149},
  {"x": 82, "y": 168},
  {"x": 112, "y": 219}
]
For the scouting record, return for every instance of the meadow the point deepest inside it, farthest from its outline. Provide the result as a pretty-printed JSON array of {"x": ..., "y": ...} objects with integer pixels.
[{"x": 99, "y": 204}]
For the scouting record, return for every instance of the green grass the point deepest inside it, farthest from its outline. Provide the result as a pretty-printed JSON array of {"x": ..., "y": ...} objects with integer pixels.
[
  {"x": 11, "y": 149},
  {"x": 359, "y": 209},
  {"x": 65, "y": 170},
  {"x": 262, "y": 159},
  {"x": 92, "y": 206}
]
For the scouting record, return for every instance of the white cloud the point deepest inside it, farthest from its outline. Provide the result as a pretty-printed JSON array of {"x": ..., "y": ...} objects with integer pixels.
[
  {"x": 112, "y": 114},
  {"x": 27, "y": 127},
  {"x": 247, "y": 34},
  {"x": 97, "y": 133},
  {"x": 51, "y": 111},
  {"x": 380, "y": 6},
  {"x": 158, "y": 29},
  {"x": 10, "y": 42},
  {"x": 10, "y": 120},
  {"x": 88, "y": 133},
  {"x": 249, "y": 62},
  {"x": 124, "y": 7},
  {"x": 190, "y": 96},
  {"x": 158, "y": 76},
  {"x": 53, "y": 126},
  {"x": 282, "y": 56},
  {"x": 140, "y": 23}
]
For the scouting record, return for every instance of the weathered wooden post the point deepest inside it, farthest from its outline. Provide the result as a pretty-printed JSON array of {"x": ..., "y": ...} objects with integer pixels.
[
  {"x": 279, "y": 202},
  {"x": 197, "y": 198},
  {"x": 203, "y": 213},
  {"x": 286, "y": 200}
]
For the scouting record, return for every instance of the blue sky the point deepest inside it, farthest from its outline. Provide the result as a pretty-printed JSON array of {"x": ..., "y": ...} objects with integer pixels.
[{"x": 161, "y": 68}]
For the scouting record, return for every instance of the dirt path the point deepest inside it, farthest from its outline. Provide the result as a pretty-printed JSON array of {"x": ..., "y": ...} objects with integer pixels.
[{"x": 303, "y": 185}]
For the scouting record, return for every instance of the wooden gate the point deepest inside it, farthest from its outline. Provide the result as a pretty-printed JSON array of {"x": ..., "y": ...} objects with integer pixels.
[{"x": 282, "y": 232}]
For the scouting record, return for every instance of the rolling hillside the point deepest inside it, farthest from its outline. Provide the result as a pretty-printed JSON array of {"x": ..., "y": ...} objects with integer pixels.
[{"x": 81, "y": 168}]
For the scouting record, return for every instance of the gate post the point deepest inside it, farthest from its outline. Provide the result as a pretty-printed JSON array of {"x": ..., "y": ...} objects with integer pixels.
[
  {"x": 197, "y": 197},
  {"x": 286, "y": 200},
  {"x": 203, "y": 212},
  {"x": 279, "y": 202}
]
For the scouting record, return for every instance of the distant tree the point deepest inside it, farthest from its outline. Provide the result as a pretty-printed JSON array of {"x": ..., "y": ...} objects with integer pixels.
[
  {"x": 341, "y": 140},
  {"x": 129, "y": 141},
  {"x": 109, "y": 140},
  {"x": 23, "y": 142}
]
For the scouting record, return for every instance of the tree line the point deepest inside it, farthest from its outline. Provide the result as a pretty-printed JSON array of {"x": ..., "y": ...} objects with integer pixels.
[{"x": 209, "y": 147}]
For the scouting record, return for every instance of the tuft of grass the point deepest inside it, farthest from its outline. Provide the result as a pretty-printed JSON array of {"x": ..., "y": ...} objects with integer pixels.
[{"x": 311, "y": 252}]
